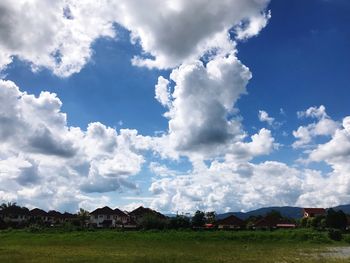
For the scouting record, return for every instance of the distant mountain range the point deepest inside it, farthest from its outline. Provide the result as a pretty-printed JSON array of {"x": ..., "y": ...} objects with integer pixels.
[{"x": 286, "y": 211}]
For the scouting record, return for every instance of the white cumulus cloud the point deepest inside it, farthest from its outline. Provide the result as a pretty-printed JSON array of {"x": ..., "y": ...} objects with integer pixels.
[
  {"x": 169, "y": 32},
  {"x": 324, "y": 126},
  {"x": 41, "y": 158}
]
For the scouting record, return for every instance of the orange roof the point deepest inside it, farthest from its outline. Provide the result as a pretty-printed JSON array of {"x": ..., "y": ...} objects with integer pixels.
[{"x": 317, "y": 211}]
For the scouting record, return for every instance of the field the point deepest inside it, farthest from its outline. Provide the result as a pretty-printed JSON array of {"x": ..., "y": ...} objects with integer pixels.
[{"x": 167, "y": 246}]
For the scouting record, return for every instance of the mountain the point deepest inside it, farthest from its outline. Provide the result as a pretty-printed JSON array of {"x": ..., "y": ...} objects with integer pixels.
[
  {"x": 344, "y": 208},
  {"x": 286, "y": 211},
  {"x": 240, "y": 215}
]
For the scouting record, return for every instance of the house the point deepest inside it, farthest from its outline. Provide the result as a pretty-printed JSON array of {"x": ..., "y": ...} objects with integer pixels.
[
  {"x": 268, "y": 222},
  {"x": 37, "y": 214},
  {"x": 107, "y": 217},
  {"x": 54, "y": 217},
  {"x": 139, "y": 213},
  {"x": 102, "y": 217},
  {"x": 68, "y": 217},
  {"x": 347, "y": 222},
  {"x": 15, "y": 214},
  {"x": 230, "y": 222},
  {"x": 313, "y": 212},
  {"x": 121, "y": 218}
]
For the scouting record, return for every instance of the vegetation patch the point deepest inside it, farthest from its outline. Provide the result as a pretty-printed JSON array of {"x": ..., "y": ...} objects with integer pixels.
[{"x": 167, "y": 246}]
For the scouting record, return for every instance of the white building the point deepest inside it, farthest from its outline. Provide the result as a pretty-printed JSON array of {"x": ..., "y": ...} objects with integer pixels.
[{"x": 107, "y": 217}]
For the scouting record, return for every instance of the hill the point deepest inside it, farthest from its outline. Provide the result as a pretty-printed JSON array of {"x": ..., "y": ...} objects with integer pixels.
[{"x": 286, "y": 211}]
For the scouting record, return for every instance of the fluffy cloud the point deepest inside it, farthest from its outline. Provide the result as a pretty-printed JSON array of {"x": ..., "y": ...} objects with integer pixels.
[
  {"x": 41, "y": 157},
  {"x": 336, "y": 151},
  {"x": 223, "y": 186},
  {"x": 57, "y": 168},
  {"x": 253, "y": 27},
  {"x": 201, "y": 105},
  {"x": 53, "y": 159},
  {"x": 161, "y": 170},
  {"x": 60, "y": 39},
  {"x": 235, "y": 182},
  {"x": 162, "y": 91},
  {"x": 264, "y": 117},
  {"x": 44, "y": 159},
  {"x": 332, "y": 188},
  {"x": 45, "y": 162},
  {"x": 314, "y": 112},
  {"x": 179, "y": 31},
  {"x": 171, "y": 32},
  {"x": 324, "y": 126}
]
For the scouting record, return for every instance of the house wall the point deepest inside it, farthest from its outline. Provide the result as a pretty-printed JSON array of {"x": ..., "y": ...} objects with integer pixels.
[
  {"x": 98, "y": 219},
  {"x": 15, "y": 218}
]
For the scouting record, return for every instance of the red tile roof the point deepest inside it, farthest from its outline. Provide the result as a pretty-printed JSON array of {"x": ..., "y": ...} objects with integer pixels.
[{"x": 315, "y": 211}]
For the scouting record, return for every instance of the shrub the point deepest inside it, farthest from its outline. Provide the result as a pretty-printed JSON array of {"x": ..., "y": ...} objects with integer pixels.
[
  {"x": 347, "y": 238},
  {"x": 335, "y": 234},
  {"x": 3, "y": 225},
  {"x": 34, "y": 228},
  {"x": 179, "y": 222},
  {"x": 153, "y": 222}
]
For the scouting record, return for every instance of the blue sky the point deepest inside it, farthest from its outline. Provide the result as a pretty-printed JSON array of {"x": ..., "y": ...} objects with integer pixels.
[{"x": 263, "y": 122}]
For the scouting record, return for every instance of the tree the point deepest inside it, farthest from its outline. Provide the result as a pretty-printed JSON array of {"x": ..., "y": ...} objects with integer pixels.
[
  {"x": 7, "y": 205},
  {"x": 179, "y": 221},
  {"x": 316, "y": 222},
  {"x": 198, "y": 220},
  {"x": 210, "y": 217},
  {"x": 312, "y": 222},
  {"x": 336, "y": 219},
  {"x": 250, "y": 221},
  {"x": 83, "y": 216},
  {"x": 152, "y": 222},
  {"x": 274, "y": 214},
  {"x": 303, "y": 222}
]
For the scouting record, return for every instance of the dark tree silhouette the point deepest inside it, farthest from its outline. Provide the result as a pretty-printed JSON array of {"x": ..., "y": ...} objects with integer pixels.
[
  {"x": 336, "y": 219},
  {"x": 198, "y": 219}
]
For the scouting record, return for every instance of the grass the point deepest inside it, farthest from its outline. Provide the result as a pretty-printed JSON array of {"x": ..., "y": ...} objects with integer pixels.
[{"x": 165, "y": 247}]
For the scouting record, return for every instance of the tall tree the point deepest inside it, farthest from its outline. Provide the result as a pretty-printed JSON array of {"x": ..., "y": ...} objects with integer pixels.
[
  {"x": 83, "y": 216},
  {"x": 8, "y": 204},
  {"x": 198, "y": 219},
  {"x": 336, "y": 219},
  {"x": 210, "y": 217}
]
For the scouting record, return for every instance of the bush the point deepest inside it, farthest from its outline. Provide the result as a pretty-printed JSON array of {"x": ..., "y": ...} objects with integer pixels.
[
  {"x": 179, "y": 222},
  {"x": 3, "y": 225},
  {"x": 34, "y": 228},
  {"x": 335, "y": 234},
  {"x": 347, "y": 238},
  {"x": 153, "y": 222}
]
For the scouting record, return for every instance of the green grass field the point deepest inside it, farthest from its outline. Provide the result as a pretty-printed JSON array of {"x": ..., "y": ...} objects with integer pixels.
[{"x": 168, "y": 246}]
